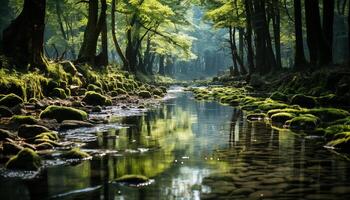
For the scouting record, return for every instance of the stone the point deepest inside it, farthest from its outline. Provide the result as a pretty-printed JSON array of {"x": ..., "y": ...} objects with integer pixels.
[
  {"x": 31, "y": 131},
  {"x": 11, "y": 100},
  {"x": 5, "y": 112},
  {"x": 26, "y": 159},
  {"x": 61, "y": 113},
  {"x": 72, "y": 124}
]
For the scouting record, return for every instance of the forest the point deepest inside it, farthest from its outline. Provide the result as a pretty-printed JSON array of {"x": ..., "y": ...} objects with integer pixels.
[{"x": 175, "y": 99}]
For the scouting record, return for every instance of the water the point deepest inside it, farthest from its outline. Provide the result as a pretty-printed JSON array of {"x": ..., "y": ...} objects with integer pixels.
[{"x": 180, "y": 143}]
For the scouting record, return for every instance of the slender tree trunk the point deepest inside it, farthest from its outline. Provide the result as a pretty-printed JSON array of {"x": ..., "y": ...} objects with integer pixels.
[
  {"x": 23, "y": 40},
  {"x": 234, "y": 71},
  {"x": 59, "y": 18},
  {"x": 241, "y": 50},
  {"x": 114, "y": 37},
  {"x": 299, "y": 61},
  {"x": 328, "y": 21},
  {"x": 277, "y": 30},
  {"x": 250, "y": 52},
  {"x": 103, "y": 61},
  {"x": 161, "y": 65}
]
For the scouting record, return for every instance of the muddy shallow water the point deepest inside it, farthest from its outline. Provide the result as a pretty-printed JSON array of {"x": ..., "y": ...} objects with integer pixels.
[{"x": 180, "y": 143}]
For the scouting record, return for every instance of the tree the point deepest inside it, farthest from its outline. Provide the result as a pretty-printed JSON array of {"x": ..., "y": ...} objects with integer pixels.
[
  {"x": 24, "y": 38},
  {"x": 299, "y": 58},
  {"x": 328, "y": 21}
]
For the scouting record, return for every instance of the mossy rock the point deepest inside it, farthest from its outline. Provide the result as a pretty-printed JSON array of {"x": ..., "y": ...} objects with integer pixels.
[
  {"x": 5, "y": 112},
  {"x": 51, "y": 85},
  {"x": 145, "y": 94},
  {"x": 281, "y": 117},
  {"x": 69, "y": 67},
  {"x": 285, "y": 110},
  {"x": 303, "y": 122},
  {"x": 279, "y": 96},
  {"x": 31, "y": 131},
  {"x": 132, "y": 179},
  {"x": 342, "y": 143},
  {"x": 48, "y": 135},
  {"x": 53, "y": 143},
  {"x": 158, "y": 92},
  {"x": 6, "y": 134},
  {"x": 11, "y": 148},
  {"x": 22, "y": 119},
  {"x": 58, "y": 93},
  {"x": 92, "y": 87},
  {"x": 26, "y": 159},
  {"x": 96, "y": 99},
  {"x": 329, "y": 114},
  {"x": 164, "y": 89},
  {"x": 272, "y": 106},
  {"x": 11, "y": 100},
  {"x": 120, "y": 91},
  {"x": 333, "y": 130},
  {"x": 44, "y": 146},
  {"x": 75, "y": 154},
  {"x": 328, "y": 100},
  {"x": 61, "y": 113},
  {"x": 304, "y": 101}
]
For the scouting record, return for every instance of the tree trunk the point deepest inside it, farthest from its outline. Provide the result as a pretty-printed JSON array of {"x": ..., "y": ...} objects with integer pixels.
[
  {"x": 276, "y": 30},
  {"x": 250, "y": 52},
  {"x": 103, "y": 60},
  {"x": 161, "y": 65},
  {"x": 116, "y": 44},
  {"x": 241, "y": 50},
  {"x": 23, "y": 40},
  {"x": 328, "y": 21},
  {"x": 299, "y": 61},
  {"x": 349, "y": 34}
]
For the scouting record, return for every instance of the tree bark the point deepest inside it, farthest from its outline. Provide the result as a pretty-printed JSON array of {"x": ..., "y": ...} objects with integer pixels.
[
  {"x": 299, "y": 61},
  {"x": 276, "y": 20},
  {"x": 23, "y": 40},
  {"x": 328, "y": 21},
  {"x": 103, "y": 61},
  {"x": 161, "y": 65},
  {"x": 248, "y": 37},
  {"x": 114, "y": 37}
]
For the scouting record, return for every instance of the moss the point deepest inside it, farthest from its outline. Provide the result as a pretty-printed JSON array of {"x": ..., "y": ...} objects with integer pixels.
[
  {"x": 282, "y": 117},
  {"x": 285, "y": 110},
  {"x": 53, "y": 143},
  {"x": 132, "y": 179},
  {"x": 342, "y": 143},
  {"x": 26, "y": 159},
  {"x": 21, "y": 119},
  {"x": 304, "y": 101},
  {"x": 48, "y": 135},
  {"x": 328, "y": 100},
  {"x": 120, "y": 91},
  {"x": 266, "y": 106},
  {"x": 61, "y": 113},
  {"x": 303, "y": 122},
  {"x": 278, "y": 96},
  {"x": 164, "y": 89},
  {"x": 59, "y": 93},
  {"x": 333, "y": 130},
  {"x": 96, "y": 99},
  {"x": 145, "y": 94},
  {"x": 11, "y": 100},
  {"x": 158, "y": 92},
  {"x": 92, "y": 87},
  {"x": 75, "y": 154},
  {"x": 329, "y": 114}
]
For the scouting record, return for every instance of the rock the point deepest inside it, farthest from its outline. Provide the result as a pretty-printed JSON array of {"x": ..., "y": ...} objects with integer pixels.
[
  {"x": 69, "y": 67},
  {"x": 278, "y": 96},
  {"x": 72, "y": 124},
  {"x": 329, "y": 114},
  {"x": 281, "y": 117},
  {"x": 303, "y": 101},
  {"x": 144, "y": 94},
  {"x": 26, "y": 159},
  {"x": 44, "y": 146},
  {"x": 20, "y": 119},
  {"x": 158, "y": 92},
  {"x": 75, "y": 154},
  {"x": 92, "y": 87},
  {"x": 5, "y": 112},
  {"x": 11, "y": 100},
  {"x": 48, "y": 135},
  {"x": 132, "y": 179},
  {"x": 58, "y": 93},
  {"x": 303, "y": 122},
  {"x": 6, "y": 134},
  {"x": 256, "y": 116},
  {"x": 96, "y": 99},
  {"x": 31, "y": 131},
  {"x": 96, "y": 109},
  {"x": 61, "y": 113},
  {"x": 341, "y": 144},
  {"x": 11, "y": 148},
  {"x": 19, "y": 110}
]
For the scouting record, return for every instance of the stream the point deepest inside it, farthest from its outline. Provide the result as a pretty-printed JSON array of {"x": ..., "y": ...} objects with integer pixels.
[{"x": 180, "y": 143}]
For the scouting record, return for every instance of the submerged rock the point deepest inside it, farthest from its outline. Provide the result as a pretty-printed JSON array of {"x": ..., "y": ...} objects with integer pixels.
[
  {"x": 96, "y": 99},
  {"x": 72, "y": 124},
  {"x": 31, "y": 131},
  {"x": 133, "y": 179},
  {"x": 26, "y": 159},
  {"x": 75, "y": 154},
  {"x": 61, "y": 113},
  {"x": 11, "y": 100}
]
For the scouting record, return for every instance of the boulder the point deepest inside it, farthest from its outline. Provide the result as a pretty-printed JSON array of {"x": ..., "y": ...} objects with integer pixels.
[
  {"x": 11, "y": 100},
  {"x": 6, "y": 134},
  {"x": 21, "y": 119},
  {"x": 278, "y": 96},
  {"x": 145, "y": 94},
  {"x": 31, "y": 131},
  {"x": 11, "y": 148},
  {"x": 61, "y": 113},
  {"x": 281, "y": 117},
  {"x": 26, "y": 159},
  {"x": 304, "y": 101},
  {"x": 96, "y": 99},
  {"x": 58, "y": 93},
  {"x": 75, "y": 154},
  {"x": 72, "y": 124}
]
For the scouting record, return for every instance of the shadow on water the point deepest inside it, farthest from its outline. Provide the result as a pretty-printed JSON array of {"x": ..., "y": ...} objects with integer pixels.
[{"x": 178, "y": 144}]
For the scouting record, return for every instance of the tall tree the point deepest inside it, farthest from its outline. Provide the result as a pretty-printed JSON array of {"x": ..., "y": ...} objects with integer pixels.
[
  {"x": 250, "y": 51},
  {"x": 276, "y": 22},
  {"x": 24, "y": 38},
  {"x": 328, "y": 21},
  {"x": 299, "y": 60}
]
